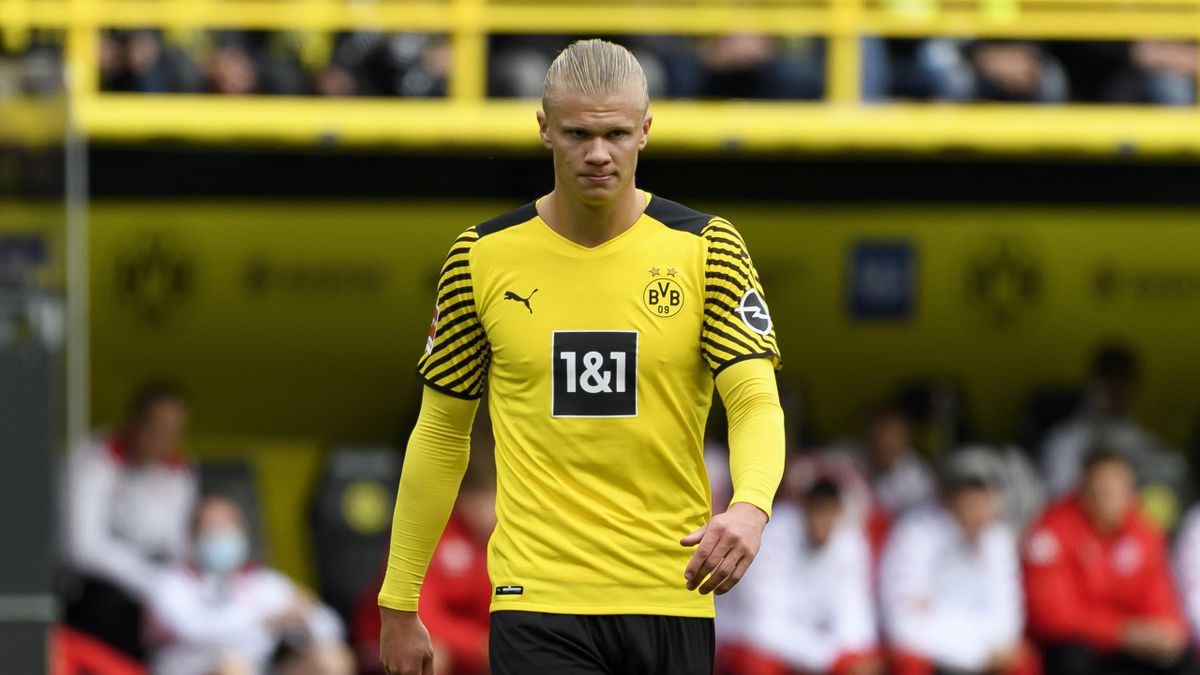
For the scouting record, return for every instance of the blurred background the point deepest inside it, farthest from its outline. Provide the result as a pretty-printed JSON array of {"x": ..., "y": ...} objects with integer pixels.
[{"x": 221, "y": 222}]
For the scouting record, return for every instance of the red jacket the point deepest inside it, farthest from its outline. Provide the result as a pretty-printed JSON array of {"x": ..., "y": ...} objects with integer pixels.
[
  {"x": 1081, "y": 584},
  {"x": 456, "y": 598},
  {"x": 454, "y": 605}
]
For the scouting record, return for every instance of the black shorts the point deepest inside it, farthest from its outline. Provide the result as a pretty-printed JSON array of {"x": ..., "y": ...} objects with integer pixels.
[{"x": 533, "y": 643}]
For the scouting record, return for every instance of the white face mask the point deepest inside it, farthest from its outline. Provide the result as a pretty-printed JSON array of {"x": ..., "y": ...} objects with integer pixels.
[{"x": 222, "y": 551}]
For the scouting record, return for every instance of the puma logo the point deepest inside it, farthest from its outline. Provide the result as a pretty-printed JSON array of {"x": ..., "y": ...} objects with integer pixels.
[{"x": 509, "y": 295}]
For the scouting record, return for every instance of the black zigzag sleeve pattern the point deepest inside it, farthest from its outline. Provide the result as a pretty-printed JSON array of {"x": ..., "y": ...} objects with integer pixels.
[
  {"x": 456, "y": 362},
  {"x": 737, "y": 323}
]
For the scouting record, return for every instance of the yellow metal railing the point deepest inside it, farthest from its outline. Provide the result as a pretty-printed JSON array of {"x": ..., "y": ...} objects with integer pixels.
[{"x": 467, "y": 118}]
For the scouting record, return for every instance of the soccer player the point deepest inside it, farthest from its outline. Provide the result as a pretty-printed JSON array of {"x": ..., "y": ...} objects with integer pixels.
[{"x": 598, "y": 318}]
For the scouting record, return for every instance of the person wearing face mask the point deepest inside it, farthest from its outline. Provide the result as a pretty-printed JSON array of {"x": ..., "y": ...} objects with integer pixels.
[
  {"x": 128, "y": 496},
  {"x": 219, "y": 613},
  {"x": 950, "y": 584}
]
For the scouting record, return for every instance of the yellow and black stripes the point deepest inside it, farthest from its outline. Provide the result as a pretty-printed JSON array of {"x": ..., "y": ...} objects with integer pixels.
[
  {"x": 457, "y": 363},
  {"x": 736, "y": 327}
]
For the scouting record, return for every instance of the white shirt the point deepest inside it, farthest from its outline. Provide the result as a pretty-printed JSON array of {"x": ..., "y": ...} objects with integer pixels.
[
  {"x": 125, "y": 521},
  {"x": 1187, "y": 566},
  {"x": 946, "y": 599},
  {"x": 806, "y": 606},
  {"x": 204, "y": 622}
]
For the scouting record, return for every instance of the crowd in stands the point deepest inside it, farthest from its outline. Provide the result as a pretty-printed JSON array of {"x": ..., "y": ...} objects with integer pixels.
[
  {"x": 747, "y": 66},
  {"x": 732, "y": 66},
  {"x": 906, "y": 549},
  {"x": 882, "y": 559}
]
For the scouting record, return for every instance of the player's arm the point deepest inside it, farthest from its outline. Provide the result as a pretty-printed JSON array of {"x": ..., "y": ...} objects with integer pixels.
[
  {"x": 737, "y": 341},
  {"x": 726, "y": 546},
  {"x": 434, "y": 464},
  {"x": 454, "y": 370}
]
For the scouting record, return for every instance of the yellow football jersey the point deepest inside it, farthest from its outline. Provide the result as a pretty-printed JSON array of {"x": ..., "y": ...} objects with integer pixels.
[{"x": 599, "y": 364}]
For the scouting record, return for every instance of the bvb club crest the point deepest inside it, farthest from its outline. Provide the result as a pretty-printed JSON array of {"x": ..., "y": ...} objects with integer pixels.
[{"x": 663, "y": 296}]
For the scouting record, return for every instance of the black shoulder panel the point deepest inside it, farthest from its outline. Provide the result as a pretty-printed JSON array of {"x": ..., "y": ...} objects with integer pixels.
[
  {"x": 514, "y": 217},
  {"x": 677, "y": 216}
]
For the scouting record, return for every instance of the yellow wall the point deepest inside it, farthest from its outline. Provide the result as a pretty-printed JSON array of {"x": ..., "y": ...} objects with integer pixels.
[{"x": 303, "y": 320}]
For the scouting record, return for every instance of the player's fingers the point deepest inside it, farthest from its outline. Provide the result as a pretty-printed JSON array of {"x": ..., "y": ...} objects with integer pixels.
[
  {"x": 698, "y": 556},
  {"x": 734, "y": 577},
  {"x": 711, "y": 551},
  {"x": 695, "y": 537},
  {"x": 427, "y": 665},
  {"x": 719, "y": 573}
]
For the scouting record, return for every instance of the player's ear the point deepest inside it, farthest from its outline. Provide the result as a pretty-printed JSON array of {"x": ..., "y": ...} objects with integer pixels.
[
  {"x": 645, "y": 131},
  {"x": 544, "y": 129}
]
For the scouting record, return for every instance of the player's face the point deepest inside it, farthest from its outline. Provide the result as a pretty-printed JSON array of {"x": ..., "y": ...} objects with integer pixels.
[{"x": 595, "y": 141}]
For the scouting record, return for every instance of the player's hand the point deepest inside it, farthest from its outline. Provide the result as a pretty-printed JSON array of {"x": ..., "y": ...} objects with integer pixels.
[
  {"x": 404, "y": 646},
  {"x": 727, "y": 546}
]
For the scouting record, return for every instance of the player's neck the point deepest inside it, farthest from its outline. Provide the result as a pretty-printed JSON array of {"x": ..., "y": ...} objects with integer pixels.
[{"x": 589, "y": 225}]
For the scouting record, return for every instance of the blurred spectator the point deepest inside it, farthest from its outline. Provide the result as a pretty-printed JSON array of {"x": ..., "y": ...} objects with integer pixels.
[
  {"x": 140, "y": 61},
  {"x": 966, "y": 70},
  {"x": 805, "y": 606},
  {"x": 129, "y": 497},
  {"x": 1106, "y": 419},
  {"x": 950, "y": 586},
  {"x": 900, "y": 478},
  {"x": 369, "y": 63},
  {"x": 1098, "y": 582},
  {"x": 1022, "y": 494},
  {"x": 231, "y": 72},
  {"x": 856, "y": 498},
  {"x": 220, "y": 613},
  {"x": 1168, "y": 70},
  {"x": 1145, "y": 71},
  {"x": 456, "y": 597},
  {"x": 239, "y": 63},
  {"x": 1004, "y": 70},
  {"x": 916, "y": 69},
  {"x": 1187, "y": 568},
  {"x": 753, "y": 65}
]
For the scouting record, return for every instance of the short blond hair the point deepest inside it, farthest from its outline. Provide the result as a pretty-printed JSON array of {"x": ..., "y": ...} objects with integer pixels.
[{"x": 594, "y": 68}]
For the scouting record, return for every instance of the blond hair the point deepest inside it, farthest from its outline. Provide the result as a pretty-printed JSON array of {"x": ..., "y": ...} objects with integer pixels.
[{"x": 594, "y": 68}]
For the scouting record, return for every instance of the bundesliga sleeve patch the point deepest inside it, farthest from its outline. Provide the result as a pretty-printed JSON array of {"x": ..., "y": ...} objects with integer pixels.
[
  {"x": 594, "y": 373},
  {"x": 432, "y": 330}
]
